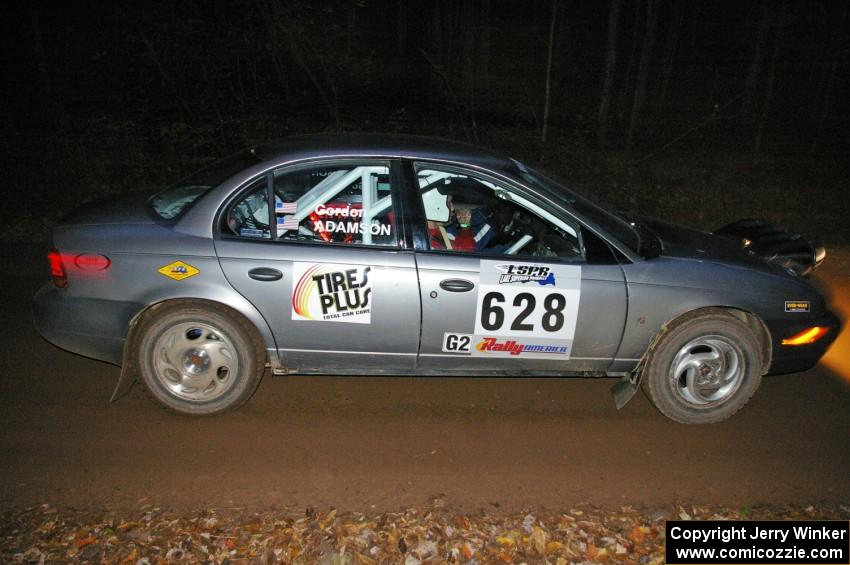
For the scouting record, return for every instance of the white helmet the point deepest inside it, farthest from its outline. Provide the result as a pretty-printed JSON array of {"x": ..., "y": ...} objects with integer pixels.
[{"x": 436, "y": 206}]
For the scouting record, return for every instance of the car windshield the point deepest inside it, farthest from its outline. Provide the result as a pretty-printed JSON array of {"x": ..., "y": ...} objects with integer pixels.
[
  {"x": 176, "y": 199},
  {"x": 615, "y": 226}
]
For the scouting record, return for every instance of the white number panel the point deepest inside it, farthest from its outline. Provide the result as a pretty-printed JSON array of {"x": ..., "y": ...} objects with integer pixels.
[{"x": 536, "y": 306}]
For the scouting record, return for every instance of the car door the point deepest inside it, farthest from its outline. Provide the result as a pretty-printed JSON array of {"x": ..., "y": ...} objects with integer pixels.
[
  {"x": 325, "y": 267},
  {"x": 521, "y": 290}
]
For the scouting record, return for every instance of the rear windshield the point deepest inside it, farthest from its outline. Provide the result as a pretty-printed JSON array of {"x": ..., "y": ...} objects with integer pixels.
[{"x": 176, "y": 199}]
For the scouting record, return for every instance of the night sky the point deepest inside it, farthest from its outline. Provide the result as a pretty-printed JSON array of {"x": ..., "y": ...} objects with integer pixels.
[{"x": 117, "y": 96}]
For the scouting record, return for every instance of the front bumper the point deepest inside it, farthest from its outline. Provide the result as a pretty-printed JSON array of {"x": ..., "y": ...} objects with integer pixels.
[
  {"x": 91, "y": 327},
  {"x": 796, "y": 358}
]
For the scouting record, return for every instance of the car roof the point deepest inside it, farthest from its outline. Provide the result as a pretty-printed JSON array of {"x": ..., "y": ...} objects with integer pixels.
[{"x": 300, "y": 147}]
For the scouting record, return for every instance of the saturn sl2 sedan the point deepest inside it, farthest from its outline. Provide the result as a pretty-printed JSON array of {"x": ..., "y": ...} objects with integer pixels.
[{"x": 391, "y": 255}]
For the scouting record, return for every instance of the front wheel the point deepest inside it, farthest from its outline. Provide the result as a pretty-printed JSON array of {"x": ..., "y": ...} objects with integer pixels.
[
  {"x": 703, "y": 368},
  {"x": 198, "y": 359}
]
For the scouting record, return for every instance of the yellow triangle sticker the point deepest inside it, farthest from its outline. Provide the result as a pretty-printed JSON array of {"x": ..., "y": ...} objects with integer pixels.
[{"x": 178, "y": 270}]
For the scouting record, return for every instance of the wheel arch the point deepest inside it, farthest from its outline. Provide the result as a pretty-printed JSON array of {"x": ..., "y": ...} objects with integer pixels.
[
  {"x": 751, "y": 320},
  {"x": 261, "y": 335}
]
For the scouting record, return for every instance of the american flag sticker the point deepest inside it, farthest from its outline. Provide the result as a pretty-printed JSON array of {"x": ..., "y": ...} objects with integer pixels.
[
  {"x": 285, "y": 207},
  {"x": 286, "y": 223}
]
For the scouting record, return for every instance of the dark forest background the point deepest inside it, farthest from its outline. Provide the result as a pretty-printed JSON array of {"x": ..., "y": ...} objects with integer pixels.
[{"x": 696, "y": 111}]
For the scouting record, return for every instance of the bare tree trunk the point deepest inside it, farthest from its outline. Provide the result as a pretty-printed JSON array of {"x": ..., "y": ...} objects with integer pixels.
[
  {"x": 643, "y": 71},
  {"x": 275, "y": 46},
  {"x": 401, "y": 27},
  {"x": 167, "y": 80},
  {"x": 754, "y": 72},
  {"x": 628, "y": 83},
  {"x": 350, "y": 32},
  {"x": 545, "y": 128},
  {"x": 38, "y": 48},
  {"x": 671, "y": 48},
  {"x": 469, "y": 26},
  {"x": 771, "y": 77},
  {"x": 835, "y": 49},
  {"x": 436, "y": 30},
  {"x": 610, "y": 69},
  {"x": 440, "y": 72},
  {"x": 484, "y": 45},
  {"x": 240, "y": 80},
  {"x": 332, "y": 103}
]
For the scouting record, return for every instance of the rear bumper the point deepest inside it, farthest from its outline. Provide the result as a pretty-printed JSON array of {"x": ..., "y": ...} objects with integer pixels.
[
  {"x": 91, "y": 327},
  {"x": 793, "y": 359}
]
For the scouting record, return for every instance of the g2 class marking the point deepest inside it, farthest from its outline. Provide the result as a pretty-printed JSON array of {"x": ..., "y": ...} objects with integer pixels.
[{"x": 457, "y": 343}]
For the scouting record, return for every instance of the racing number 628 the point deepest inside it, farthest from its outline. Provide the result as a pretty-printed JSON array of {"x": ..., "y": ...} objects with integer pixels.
[{"x": 493, "y": 315}]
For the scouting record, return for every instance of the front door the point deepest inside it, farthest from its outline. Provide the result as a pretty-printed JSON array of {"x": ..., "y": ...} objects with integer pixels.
[{"x": 506, "y": 286}]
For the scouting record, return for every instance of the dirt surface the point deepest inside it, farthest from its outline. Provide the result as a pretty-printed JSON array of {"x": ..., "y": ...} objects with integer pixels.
[{"x": 376, "y": 444}]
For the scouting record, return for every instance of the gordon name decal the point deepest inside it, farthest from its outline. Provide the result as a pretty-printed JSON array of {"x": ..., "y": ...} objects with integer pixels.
[{"x": 331, "y": 292}]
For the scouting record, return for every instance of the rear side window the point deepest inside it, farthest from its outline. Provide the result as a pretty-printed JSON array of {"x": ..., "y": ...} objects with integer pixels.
[{"x": 348, "y": 203}]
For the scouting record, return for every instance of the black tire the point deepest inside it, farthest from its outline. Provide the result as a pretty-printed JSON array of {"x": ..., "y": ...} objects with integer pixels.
[
  {"x": 198, "y": 358},
  {"x": 703, "y": 368}
]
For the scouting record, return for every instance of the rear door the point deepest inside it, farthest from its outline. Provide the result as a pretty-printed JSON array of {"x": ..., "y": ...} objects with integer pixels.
[{"x": 325, "y": 268}]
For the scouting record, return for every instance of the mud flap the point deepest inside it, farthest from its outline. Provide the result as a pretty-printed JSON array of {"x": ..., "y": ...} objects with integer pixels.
[
  {"x": 124, "y": 384},
  {"x": 625, "y": 389}
]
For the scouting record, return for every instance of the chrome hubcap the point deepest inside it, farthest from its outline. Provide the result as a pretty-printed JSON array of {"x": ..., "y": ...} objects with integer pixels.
[
  {"x": 195, "y": 361},
  {"x": 707, "y": 371}
]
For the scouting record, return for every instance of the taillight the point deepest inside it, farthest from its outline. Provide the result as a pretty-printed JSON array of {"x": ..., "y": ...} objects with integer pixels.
[
  {"x": 57, "y": 268},
  {"x": 91, "y": 262}
]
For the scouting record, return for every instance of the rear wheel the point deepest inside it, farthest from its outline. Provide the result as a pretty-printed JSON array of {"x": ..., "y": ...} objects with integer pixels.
[
  {"x": 703, "y": 368},
  {"x": 198, "y": 358}
]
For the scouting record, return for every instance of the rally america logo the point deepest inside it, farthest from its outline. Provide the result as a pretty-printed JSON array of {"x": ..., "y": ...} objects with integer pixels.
[
  {"x": 513, "y": 347},
  {"x": 526, "y": 273}
]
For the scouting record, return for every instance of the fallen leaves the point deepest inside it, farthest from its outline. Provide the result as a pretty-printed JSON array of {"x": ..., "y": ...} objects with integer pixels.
[{"x": 414, "y": 536}]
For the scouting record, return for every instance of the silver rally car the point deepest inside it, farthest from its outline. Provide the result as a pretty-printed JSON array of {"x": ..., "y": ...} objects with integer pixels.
[{"x": 370, "y": 254}]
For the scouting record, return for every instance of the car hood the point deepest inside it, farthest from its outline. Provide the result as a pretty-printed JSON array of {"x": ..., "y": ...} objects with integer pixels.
[
  {"x": 125, "y": 209},
  {"x": 685, "y": 243}
]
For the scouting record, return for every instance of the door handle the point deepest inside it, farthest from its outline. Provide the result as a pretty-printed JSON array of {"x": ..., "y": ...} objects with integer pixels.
[
  {"x": 265, "y": 274},
  {"x": 456, "y": 285}
]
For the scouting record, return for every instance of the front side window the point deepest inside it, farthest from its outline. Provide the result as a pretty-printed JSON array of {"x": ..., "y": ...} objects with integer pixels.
[
  {"x": 346, "y": 203},
  {"x": 469, "y": 213}
]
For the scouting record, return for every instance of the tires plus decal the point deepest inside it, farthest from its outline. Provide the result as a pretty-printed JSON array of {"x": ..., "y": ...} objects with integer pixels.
[
  {"x": 517, "y": 319},
  {"x": 331, "y": 293}
]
